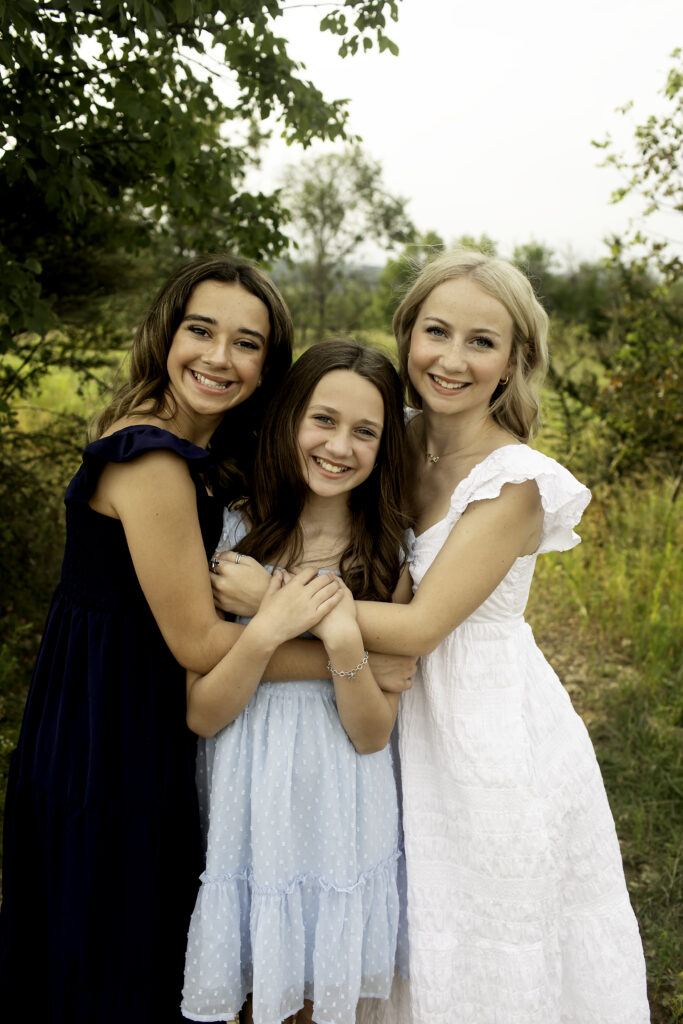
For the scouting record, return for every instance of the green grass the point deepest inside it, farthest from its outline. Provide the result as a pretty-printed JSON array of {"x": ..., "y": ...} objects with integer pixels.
[{"x": 607, "y": 615}]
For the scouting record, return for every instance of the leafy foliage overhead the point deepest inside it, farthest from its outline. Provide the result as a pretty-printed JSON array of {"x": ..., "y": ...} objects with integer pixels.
[
  {"x": 123, "y": 122},
  {"x": 113, "y": 123}
]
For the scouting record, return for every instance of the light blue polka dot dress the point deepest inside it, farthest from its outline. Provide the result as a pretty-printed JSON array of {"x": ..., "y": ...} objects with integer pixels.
[{"x": 299, "y": 897}]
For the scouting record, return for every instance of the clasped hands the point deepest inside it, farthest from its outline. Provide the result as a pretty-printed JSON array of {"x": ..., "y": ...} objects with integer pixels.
[{"x": 239, "y": 588}]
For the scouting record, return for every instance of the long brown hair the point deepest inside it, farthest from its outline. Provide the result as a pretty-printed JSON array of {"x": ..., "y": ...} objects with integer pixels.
[
  {"x": 234, "y": 441},
  {"x": 371, "y": 563}
]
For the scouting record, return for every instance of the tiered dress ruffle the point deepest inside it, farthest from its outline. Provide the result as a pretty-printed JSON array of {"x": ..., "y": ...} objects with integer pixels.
[
  {"x": 518, "y": 911},
  {"x": 299, "y": 897}
]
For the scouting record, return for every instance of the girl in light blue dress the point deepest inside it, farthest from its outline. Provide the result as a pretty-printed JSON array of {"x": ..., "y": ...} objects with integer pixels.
[{"x": 296, "y": 918}]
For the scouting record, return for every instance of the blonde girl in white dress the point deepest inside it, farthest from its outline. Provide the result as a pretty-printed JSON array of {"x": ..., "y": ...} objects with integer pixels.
[{"x": 517, "y": 907}]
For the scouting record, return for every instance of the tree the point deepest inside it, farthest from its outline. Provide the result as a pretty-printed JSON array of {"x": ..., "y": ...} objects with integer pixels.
[
  {"x": 337, "y": 203},
  {"x": 640, "y": 399},
  {"x": 398, "y": 273},
  {"x": 578, "y": 294},
  {"x": 618, "y": 373},
  {"x": 653, "y": 173},
  {"x": 114, "y": 135}
]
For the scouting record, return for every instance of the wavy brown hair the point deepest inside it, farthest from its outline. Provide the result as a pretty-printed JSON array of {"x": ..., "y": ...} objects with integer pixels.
[
  {"x": 515, "y": 404},
  {"x": 371, "y": 563},
  {"x": 234, "y": 441}
]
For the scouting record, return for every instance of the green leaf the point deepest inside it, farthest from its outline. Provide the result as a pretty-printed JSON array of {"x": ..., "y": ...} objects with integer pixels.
[{"x": 184, "y": 10}]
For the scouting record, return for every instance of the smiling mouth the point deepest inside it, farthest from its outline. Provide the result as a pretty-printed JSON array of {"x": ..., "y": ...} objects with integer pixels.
[
  {"x": 450, "y": 385},
  {"x": 331, "y": 467},
  {"x": 207, "y": 382}
]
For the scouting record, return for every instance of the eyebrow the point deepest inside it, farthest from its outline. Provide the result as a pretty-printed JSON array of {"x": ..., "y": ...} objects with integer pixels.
[
  {"x": 335, "y": 412},
  {"x": 211, "y": 320},
  {"x": 475, "y": 330}
]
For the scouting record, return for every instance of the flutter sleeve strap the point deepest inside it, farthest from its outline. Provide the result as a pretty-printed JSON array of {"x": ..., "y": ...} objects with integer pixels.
[
  {"x": 563, "y": 498},
  {"x": 128, "y": 444}
]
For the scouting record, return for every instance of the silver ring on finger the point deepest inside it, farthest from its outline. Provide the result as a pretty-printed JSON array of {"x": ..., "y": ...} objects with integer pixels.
[
  {"x": 213, "y": 565},
  {"x": 238, "y": 558}
]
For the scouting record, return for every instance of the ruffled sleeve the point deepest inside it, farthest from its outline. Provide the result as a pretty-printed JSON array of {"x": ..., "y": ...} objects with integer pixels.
[
  {"x": 233, "y": 530},
  {"x": 127, "y": 444},
  {"x": 563, "y": 498}
]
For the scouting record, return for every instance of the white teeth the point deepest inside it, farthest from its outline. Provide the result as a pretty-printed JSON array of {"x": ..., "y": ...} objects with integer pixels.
[
  {"x": 329, "y": 467},
  {"x": 217, "y": 384},
  {"x": 449, "y": 385}
]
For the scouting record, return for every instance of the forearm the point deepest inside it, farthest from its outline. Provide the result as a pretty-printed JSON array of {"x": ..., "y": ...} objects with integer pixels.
[
  {"x": 366, "y": 712},
  {"x": 297, "y": 659},
  {"x": 201, "y": 650},
  {"x": 217, "y": 697},
  {"x": 396, "y": 628}
]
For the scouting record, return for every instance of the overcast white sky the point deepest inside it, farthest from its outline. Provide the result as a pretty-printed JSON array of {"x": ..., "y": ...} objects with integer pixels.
[{"x": 484, "y": 122}]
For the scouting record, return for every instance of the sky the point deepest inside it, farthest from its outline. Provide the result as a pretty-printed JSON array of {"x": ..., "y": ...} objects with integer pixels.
[{"x": 484, "y": 121}]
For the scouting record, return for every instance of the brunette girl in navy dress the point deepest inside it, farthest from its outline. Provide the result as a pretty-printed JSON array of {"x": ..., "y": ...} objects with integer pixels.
[{"x": 102, "y": 842}]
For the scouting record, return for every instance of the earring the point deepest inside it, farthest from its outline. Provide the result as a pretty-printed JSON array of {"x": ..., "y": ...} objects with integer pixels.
[{"x": 505, "y": 380}]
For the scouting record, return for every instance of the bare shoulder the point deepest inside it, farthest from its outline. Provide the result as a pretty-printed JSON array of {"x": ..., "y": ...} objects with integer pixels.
[
  {"x": 514, "y": 498},
  {"x": 157, "y": 476},
  {"x": 525, "y": 495},
  {"x": 517, "y": 513}
]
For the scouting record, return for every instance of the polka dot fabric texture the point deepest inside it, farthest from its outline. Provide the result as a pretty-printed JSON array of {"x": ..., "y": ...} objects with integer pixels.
[{"x": 299, "y": 897}]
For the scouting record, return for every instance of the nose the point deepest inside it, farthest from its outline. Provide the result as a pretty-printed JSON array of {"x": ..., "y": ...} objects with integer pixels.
[
  {"x": 218, "y": 352},
  {"x": 338, "y": 444},
  {"x": 453, "y": 357}
]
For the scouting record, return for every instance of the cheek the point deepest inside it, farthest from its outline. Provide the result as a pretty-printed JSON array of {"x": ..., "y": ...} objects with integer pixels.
[
  {"x": 251, "y": 364},
  {"x": 173, "y": 354},
  {"x": 414, "y": 367},
  {"x": 370, "y": 457}
]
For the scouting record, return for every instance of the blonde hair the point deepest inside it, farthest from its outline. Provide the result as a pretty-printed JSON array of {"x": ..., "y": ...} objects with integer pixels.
[{"x": 514, "y": 405}]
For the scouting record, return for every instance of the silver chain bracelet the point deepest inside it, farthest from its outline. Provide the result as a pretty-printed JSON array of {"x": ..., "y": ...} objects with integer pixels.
[{"x": 352, "y": 672}]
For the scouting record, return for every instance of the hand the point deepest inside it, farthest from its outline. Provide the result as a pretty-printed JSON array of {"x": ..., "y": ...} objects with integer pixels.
[
  {"x": 393, "y": 672},
  {"x": 238, "y": 587},
  {"x": 291, "y": 607},
  {"x": 337, "y": 622}
]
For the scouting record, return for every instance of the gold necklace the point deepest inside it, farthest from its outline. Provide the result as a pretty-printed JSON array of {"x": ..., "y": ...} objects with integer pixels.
[{"x": 433, "y": 459}]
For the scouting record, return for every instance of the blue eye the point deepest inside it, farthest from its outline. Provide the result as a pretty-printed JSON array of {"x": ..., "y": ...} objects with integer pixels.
[
  {"x": 483, "y": 342},
  {"x": 438, "y": 332}
]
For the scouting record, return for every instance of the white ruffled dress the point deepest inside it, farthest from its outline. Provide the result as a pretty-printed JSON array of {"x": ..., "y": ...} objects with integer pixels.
[
  {"x": 518, "y": 911},
  {"x": 299, "y": 896}
]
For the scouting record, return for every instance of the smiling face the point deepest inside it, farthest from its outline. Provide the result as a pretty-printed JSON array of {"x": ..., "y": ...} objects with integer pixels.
[
  {"x": 217, "y": 354},
  {"x": 460, "y": 348},
  {"x": 340, "y": 432}
]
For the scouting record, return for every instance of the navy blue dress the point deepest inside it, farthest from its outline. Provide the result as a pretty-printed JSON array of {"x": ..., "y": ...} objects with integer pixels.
[{"x": 102, "y": 840}]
